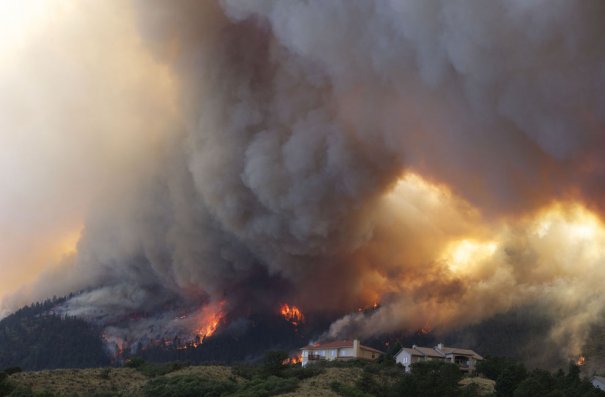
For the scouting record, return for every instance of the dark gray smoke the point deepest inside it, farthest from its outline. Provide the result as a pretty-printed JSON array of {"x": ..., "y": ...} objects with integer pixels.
[{"x": 333, "y": 153}]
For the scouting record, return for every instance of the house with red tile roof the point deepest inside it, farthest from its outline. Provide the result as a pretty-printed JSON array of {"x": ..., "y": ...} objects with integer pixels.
[{"x": 348, "y": 349}]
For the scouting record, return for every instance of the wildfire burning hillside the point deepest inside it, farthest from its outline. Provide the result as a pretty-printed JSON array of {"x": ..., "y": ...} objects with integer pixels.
[
  {"x": 185, "y": 331},
  {"x": 435, "y": 157},
  {"x": 208, "y": 321}
]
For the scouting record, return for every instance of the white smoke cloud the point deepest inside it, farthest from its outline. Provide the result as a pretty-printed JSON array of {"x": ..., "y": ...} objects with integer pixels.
[{"x": 75, "y": 94}]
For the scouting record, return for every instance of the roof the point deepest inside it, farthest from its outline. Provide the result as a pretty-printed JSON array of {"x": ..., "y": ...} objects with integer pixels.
[
  {"x": 599, "y": 379},
  {"x": 429, "y": 352},
  {"x": 460, "y": 352},
  {"x": 329, "y": 345},
  {"x": 336, "y": 345},
  {"x": 411, "y": 352},
  {"x": 439, "y": 353},
  {"x": 370, "y": 349}
]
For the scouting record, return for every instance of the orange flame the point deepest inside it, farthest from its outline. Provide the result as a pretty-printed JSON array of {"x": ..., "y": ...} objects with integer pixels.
[
  {"x": 297, "y": 359},
  {"x": 581, "y": 361},
  {"x": 292, "y": 314},
  {"x": 209, "y": 319},
  {"x": 426, "y": 329}
]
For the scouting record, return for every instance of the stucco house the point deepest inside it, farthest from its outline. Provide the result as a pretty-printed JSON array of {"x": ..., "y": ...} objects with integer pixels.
[
  {"x": 338, "y": 350},
  {"x": 466, "y": 359},
  {"x": 598, "y": 382}
]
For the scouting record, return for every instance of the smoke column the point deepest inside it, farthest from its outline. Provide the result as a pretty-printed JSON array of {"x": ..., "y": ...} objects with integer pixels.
[{"x": 441, "y": 157}]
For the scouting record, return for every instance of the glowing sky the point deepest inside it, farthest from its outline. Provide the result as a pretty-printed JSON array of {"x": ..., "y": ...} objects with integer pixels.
[{"x": 81, "y": 101}]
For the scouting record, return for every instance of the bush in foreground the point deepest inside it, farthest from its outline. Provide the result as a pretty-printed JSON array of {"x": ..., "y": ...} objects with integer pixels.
[
  {"x": 193, "y": 386},
  {"x": 270, "y": 386},
  {"x": 5, "y": 386},
  {"x": 187, "y": 386}
]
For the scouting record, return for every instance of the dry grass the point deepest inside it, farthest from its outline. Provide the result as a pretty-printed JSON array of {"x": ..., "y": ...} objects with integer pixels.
[
  {"x": 486, "y": 386},
  {"x": 83, "y": 381},
  {"x": 319, "y": 386},
  {"x": 86, "y": 382},
  {"x": 214, "y": 372},
  {"x": 129, "y": 382}
]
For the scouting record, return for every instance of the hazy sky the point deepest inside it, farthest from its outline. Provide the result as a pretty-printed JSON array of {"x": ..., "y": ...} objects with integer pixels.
[{"x": 81, "y": 101}]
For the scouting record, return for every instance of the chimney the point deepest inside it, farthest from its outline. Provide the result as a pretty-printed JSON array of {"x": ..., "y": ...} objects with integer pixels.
[
  {"x": 440, "y": 346},
  {"x": 356, "y": 349}
]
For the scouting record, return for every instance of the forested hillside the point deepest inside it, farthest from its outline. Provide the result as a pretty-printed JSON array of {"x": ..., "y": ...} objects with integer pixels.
[{"x": 35, "y": 338}]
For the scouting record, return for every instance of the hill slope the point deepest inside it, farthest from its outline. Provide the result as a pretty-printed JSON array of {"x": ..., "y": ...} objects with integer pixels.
[{"x": 35, "y": 338}]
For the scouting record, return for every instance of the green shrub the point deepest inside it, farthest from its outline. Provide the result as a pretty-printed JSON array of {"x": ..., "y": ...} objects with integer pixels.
[
  {"x": 429, "y": 379},
  {"x": 273, "y": 362},
  {"x": 492, "y": 367},
  {"x": 270, "y": 386},
  {"x": 134, "y": 362},
  {"x": 343, "y": 364},
  {"x": 6, "y": 386},
  {"x": 509, "y": 379},
  {"x": 187, "y": 386},
  {"x": 22, "y": 391},
  {"x": 347, "y": 391},
  {"x": 368, "y": 384},
  {"x": 303, "y": 373},
  {"x": 152, "y": 370},
  {"x": 13, "y": 370},
  {"x": 373, "y": 368},
  {"x": 246, "y": 371}
]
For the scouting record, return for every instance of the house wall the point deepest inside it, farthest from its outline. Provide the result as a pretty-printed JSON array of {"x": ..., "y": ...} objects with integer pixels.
[
  {"x": 346, "y": 352},
  {"x": 598, "y": 384},
  {"x": 406, "y": 359},
  {"x": 343, "y": 353},
  {"x": 324, "y": 354},
  {"x": 367, "y": 354},
  {"x": 468, "y": 363}
]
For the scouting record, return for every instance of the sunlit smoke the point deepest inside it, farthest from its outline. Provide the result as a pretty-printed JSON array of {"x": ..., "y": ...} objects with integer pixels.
[
  {"x": 551, "y": 256},
  {"x": 443, "y": 159}
]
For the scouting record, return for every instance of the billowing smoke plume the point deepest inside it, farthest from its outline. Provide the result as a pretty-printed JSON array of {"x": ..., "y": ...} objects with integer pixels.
[{"x": 441, "y": 157}]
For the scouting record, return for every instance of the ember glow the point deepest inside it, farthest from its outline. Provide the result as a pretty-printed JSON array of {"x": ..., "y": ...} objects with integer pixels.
[
  {"x": 293, "y": 360},
  {"x": 292, "y": 314},
  {"x": 115, "y": 345},
  {"x": 366, "y": 308},
  {"x": 209, "y": 320},
  {"x": 426, "y": 329},
  {"x": 443, "y": 159}
]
